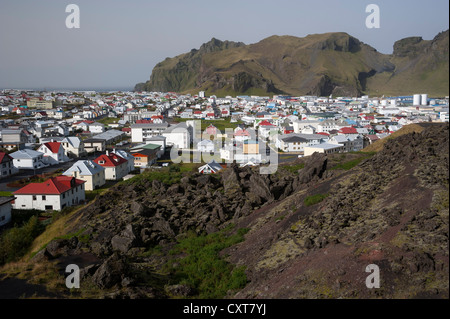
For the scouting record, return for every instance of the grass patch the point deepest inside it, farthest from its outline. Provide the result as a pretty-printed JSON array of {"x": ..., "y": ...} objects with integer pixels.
[
  {"x": 348, "y": 165},
  {"x": 167, "y": 175},
  {"x": 203, "y": 269},
  {"x": 294, "y": 168},
  {"x": 314, "y": 199},
  {"x": 6, "y": 194}
]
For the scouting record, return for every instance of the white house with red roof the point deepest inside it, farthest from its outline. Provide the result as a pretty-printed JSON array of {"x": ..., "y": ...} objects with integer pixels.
[
  {"x": 241, "y": 135},
  {"x": 56, "y": 193},
  {"x": 115, "y": 166},
  {"x": 54, "y": 153},
  {"x": 265, "y": 128},
  {"x": 6, "y": 165}
]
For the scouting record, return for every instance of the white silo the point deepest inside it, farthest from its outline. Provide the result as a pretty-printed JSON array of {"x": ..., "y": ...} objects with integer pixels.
[
  {"x": 416, "y": 99},
  {"x": 424, "y": 99}
]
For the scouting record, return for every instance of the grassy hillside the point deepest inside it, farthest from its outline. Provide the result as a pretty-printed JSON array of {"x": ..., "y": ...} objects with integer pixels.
[{"x": 319, "y": 64}]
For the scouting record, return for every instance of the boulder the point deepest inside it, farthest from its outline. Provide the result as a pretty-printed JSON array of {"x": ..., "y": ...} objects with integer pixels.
[{"x": 111, "y": 272}]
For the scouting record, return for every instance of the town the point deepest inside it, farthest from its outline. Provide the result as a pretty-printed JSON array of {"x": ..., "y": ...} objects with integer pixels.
[{"x": 58, "y": 148}]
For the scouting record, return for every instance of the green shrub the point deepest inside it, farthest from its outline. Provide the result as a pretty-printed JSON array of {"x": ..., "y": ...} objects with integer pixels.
[
  {"x": 294, "y": 168},
  {"x": 15, "y": 242},
  {"x": 203, "y": 269},
  {"x": 314, "y": 199}
]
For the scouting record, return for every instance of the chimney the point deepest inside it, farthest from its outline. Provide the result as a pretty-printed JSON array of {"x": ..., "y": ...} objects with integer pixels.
[
  {"x": 75, "y": 174},
  {"x": 107, "y": 153}
]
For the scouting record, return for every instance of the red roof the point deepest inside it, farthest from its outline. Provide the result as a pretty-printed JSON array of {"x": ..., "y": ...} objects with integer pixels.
[
  {"x": 324, "y": 133},
  {"x": 348, "y": 130},
  {"x": 197, "y": 112},
  {"x": 242, "y": 133},
  {"x": 53, "y": 146},
  {"x": 266, "y": 123},
  {"x": 126, "y": 129},
  {"x": 3, "y": 155},
  {"x": 144, "y": 121},
  {"x": 110, "y": 160},
  {"x": 53, "y": 186}
]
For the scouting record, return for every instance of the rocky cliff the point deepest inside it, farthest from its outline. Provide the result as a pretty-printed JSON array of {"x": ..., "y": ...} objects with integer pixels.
[{"x": 307, "y": 231}]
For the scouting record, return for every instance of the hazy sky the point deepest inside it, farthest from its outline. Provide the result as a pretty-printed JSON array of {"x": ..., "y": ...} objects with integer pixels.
[{"x": 119, "y": 42}]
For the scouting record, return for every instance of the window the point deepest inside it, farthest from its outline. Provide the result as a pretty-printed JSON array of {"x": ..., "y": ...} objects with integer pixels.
[
  {"x": 44, "y": 197},
  {"x": 34, "y": 197},
  {"x": 48, "y": 207}
]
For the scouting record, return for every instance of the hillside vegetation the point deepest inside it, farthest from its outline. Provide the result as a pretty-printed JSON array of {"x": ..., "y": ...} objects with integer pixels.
[
  {"x": 318, "y": 64},
  {"x": 306, "y": 231}
]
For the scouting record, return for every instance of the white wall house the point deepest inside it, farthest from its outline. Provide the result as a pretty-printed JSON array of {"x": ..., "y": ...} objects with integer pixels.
[
  {"x": 349, "y": 143},
  {"x": 115, "y": 166},
  {"x": 28, "y": 159},
  {"x": 56, "y": 193},
  {"x": 297, "y": 142},
  {"x": 325, "y": 148},
  {"x": 88, "y": 171},
  {"x": 54, "y": 153},
  {"x": 205, "y": 146},
  {"x": 5, "y": 210},
  {"x": 73, "y": 145},
  {"x": 141, "y": 133},
  {"x": 179, "y": 136},
  {"x": 126, "y": 156},
  {"x": 96, "y": 128},
  {"x": 6, "y": 165}
]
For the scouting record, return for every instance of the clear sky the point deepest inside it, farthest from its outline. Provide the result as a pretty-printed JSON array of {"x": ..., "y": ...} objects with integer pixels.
[{"x": 119, "y": 42}]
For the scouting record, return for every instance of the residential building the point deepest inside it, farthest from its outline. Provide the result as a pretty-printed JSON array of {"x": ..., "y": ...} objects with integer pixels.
[
  {"x": 211, "y": 168},
  {"x": 127, "y": 156},
  {"x": 6, "y": 165},
  {"x": 265, "y": 128},
  {"x": 92, "y": 145},
  {"x": 56, "y": 193},
  {"x": 325, "y": 148},
  {"x": 205, "y": 146},
  {"x": 296, "y": 142},
  {"x": 54, "y": 153},
  {"x": 351, "y": 143},
  {"x": 115, "y": 166},
  {"x": 28, "y": 159},
  {"x": 5, "y": 210},
  {"x": 145, "y": 157},
  {"x": 96, "y": 128},
  {"x": 179, "y": 136},
  {"x": 88, "y": 171},
  {"x": 73, "y": 146},
  {"x": 141, "y": 133},
  {"x": 39, "y": 104}
]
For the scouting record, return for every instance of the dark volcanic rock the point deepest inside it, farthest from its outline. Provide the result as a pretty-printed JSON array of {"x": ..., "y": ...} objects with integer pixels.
[{"x": 111, "y": 272}]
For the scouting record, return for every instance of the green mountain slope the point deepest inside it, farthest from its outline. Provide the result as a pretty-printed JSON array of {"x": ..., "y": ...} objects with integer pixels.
[
  {"x": 319, "y": 64},
  {"x": 421, "y": 66}
]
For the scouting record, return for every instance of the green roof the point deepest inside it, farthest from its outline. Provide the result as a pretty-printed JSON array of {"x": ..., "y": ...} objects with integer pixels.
[{"x": 151, "y": 146}]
